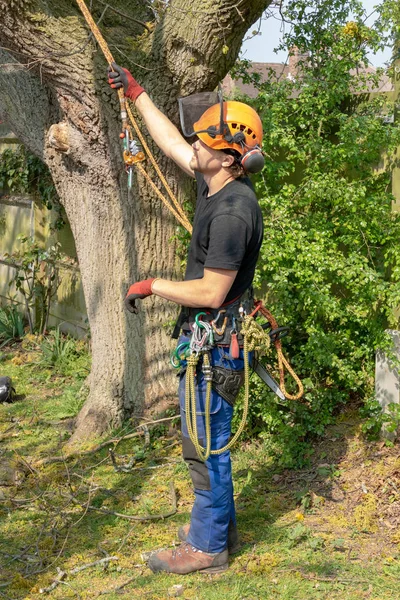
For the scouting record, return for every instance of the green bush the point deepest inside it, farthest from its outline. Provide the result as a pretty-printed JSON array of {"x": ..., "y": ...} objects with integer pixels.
[
  {"x": 23, "y": 173},
  {"x": 330, "y": 262}
]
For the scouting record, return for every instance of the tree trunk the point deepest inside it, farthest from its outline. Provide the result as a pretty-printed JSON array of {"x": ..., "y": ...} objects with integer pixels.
[{"x": 54, "y": 95}]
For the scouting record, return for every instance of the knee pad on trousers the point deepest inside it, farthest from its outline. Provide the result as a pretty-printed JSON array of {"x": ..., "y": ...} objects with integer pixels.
[
  {"x": 227, "y": 383},
  {"x": 197, "y": 468}
]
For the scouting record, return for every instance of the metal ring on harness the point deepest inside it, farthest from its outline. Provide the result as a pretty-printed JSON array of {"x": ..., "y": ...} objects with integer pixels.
[{"x": 182, "y": 349}]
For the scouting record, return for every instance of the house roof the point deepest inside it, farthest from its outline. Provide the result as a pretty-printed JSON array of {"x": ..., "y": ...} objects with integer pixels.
[{"x": 280, "y": 71}]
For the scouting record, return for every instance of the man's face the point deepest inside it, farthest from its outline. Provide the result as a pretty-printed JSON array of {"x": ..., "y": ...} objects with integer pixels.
[{"x": 206, "y": 160}]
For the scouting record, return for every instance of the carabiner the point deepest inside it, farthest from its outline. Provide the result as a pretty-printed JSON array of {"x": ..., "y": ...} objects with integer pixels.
[
  {"x": 196, "y": 319},
  {"x": 179, "y": 355}
]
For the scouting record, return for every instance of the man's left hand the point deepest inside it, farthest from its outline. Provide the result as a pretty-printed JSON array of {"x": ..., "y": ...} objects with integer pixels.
[{"x": 138, "y": 291}]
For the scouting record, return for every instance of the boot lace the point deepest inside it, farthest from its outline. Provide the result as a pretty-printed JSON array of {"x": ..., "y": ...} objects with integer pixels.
[{"x": 184, "y": 547}]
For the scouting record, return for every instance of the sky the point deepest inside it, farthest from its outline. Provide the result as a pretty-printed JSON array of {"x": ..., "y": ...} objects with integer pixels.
[{"x": 261, "y": 47}]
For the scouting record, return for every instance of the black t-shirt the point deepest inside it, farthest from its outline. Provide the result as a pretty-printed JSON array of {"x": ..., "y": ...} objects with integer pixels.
[{"x": 227, "y": 233}]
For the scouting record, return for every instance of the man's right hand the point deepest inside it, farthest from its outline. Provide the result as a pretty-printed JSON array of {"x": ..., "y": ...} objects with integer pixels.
[{"x": 119, "y": 77}]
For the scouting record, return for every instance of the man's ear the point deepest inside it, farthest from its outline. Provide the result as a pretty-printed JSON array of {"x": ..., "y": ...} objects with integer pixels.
[{"x": 227, "y": 160}]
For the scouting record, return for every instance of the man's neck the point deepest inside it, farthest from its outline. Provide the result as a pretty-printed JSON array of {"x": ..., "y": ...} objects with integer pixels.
[{"x": 217, "y": 181}]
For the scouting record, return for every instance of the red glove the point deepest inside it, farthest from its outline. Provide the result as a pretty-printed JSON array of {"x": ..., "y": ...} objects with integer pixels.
[
  {"x": 138, "y": 291},
  {"x": 120, "y": 77}
]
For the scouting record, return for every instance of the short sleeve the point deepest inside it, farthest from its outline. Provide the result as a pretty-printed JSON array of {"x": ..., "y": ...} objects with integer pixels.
[{"x": 228, "y": 243}]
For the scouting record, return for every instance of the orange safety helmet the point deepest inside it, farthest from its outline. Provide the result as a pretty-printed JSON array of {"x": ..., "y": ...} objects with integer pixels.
[
  {"x": 242, "y": 131},
  {"x": 236, "y": 126}
]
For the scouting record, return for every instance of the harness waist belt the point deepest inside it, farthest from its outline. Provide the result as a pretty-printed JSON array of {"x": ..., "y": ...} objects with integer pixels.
[{"x": 224, "y": 319}]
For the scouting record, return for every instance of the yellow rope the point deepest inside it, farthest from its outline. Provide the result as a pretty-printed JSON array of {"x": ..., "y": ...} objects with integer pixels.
[
  {"x": 258, "y": 340},
  {"x": 178, "y": 211},
  {"x": 254, "y": 338},
  {"x": 281, "y": 363},
  {"x": 184, "y": 222}
]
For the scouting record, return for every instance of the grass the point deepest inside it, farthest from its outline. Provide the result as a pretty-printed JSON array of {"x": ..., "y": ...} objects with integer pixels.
[{"x": 329, "y": 531}]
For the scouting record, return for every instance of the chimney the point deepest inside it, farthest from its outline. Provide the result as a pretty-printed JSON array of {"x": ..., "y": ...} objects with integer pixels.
[{"x": 296, "y": 59}]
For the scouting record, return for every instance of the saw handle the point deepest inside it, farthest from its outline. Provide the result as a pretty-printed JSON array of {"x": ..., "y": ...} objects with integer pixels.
[{"x": 276, "y": 334}]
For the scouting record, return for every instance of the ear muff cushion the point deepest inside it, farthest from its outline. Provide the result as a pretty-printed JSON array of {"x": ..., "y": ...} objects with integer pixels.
[{"x": 253, "y": 161}]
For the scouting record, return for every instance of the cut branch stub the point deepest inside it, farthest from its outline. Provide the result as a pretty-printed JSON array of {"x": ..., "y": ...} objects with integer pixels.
[{"x": 58, "y": 137}]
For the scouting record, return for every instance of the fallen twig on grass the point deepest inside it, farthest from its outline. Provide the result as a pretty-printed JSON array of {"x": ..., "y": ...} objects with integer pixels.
[
  {"x": 142, "y": 430},
  {"x": 163, "y": 420},
  {"x": 101, "y": 561},
  {"x": 49, "y": 460},
  {"x": 56, "y": 582},
  {"x": 134, "y": 517},
  {"x": 311, "y": 577},
  {"x": 120, "y": 587},
  {"x": 146, "y": 435},
  {"x": 25, "y": 462},
  {"x": 127, "y": 468},
  {"x": 63, "y": 574}
]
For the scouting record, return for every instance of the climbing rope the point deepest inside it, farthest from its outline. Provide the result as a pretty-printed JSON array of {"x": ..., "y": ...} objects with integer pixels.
[
  {"x": 255, "y": 339},
  {"x": 130, "y": 159},
  {"x": 282, "y": 361}
]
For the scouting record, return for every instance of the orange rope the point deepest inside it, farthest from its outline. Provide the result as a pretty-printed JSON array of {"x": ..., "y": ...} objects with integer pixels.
[
  {"x": 176, "y": 209},
  {"x": 282, "y": 361}
]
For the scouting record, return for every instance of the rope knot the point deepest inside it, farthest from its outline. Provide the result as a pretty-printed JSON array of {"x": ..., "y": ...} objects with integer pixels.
[{"x": 257, "y": 339}]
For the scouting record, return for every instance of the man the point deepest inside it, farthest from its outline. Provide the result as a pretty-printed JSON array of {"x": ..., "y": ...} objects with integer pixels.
[{"x": 227, "y": 235}]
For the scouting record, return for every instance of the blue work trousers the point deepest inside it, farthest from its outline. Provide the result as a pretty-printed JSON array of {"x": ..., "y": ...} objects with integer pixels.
[{"x": 214, "y": 506}]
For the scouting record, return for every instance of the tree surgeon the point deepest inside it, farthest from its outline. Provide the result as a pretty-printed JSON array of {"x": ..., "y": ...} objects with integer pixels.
[{"x": 216, "y": 292}]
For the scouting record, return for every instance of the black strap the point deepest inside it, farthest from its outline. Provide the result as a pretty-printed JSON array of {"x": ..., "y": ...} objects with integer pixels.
[{"x": 182, "y": 317}]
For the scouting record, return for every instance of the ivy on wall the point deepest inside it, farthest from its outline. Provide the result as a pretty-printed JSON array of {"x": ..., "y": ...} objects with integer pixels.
[{"x": 23, "y": 173}]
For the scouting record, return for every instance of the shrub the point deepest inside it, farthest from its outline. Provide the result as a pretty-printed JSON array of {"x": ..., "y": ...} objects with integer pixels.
[
  {"x": 65, "y": 355},
  {"x": 330, "y": 262}
]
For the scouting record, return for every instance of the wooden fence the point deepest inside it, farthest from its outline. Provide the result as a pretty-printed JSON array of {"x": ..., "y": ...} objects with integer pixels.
[{"x": 24, "y": 215}]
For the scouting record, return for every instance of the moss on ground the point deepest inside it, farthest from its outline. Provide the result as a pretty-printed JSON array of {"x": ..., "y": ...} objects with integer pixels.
[{"x": 329, "y": 531}]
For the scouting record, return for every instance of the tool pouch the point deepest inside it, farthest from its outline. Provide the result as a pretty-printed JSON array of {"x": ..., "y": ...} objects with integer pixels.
[{"x": 227, "y": 383}]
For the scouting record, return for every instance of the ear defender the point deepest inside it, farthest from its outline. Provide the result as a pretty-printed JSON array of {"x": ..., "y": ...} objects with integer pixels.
[{"x": 253, "y": 161}]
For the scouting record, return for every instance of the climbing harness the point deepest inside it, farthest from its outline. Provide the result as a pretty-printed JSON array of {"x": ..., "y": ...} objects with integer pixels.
[
  {"x": 133, "y": 156},
  {"x": 197, "y": 351}
]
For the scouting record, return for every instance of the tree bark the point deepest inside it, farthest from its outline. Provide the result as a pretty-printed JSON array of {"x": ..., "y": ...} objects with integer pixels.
[{"x": 54, "y": 95}]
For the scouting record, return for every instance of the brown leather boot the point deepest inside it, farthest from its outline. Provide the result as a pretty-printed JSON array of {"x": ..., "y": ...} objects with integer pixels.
[
  {"x": 234, "y": 544},
  {"x": 186, "y": 559}
]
